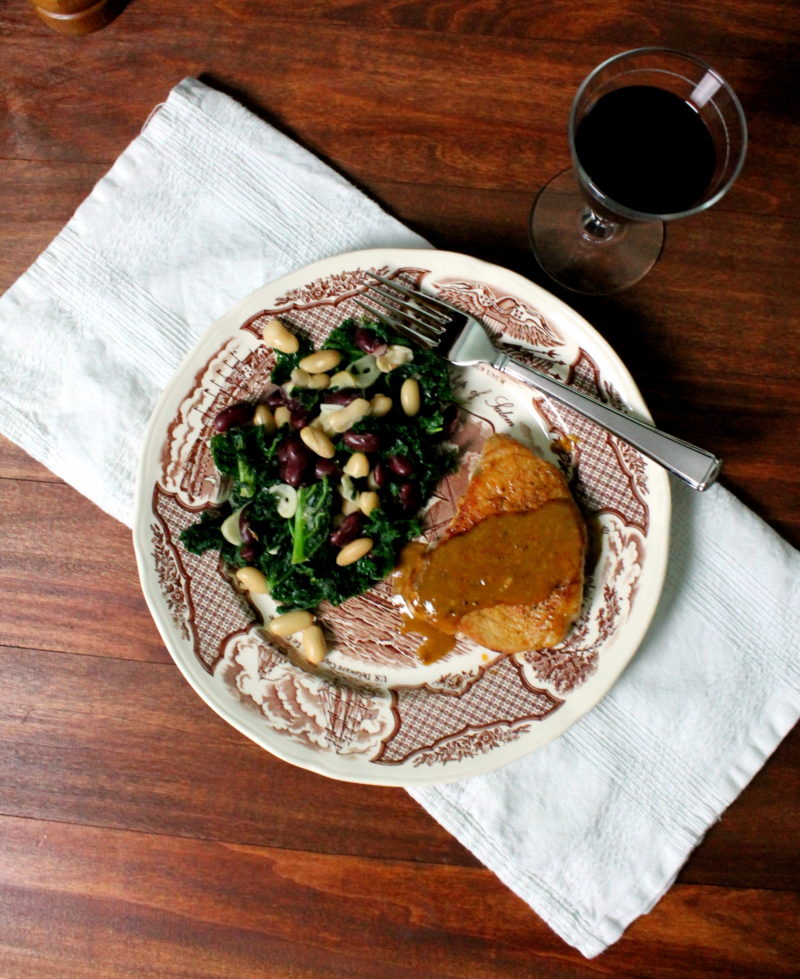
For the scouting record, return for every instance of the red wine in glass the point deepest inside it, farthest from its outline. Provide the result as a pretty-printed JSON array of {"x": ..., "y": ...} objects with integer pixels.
[
  {"x": 648, "y": 149},
  {"x": 654, "y": 135}
]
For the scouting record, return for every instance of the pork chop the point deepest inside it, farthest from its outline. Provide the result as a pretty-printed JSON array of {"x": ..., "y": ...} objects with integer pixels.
[{"x": 511, "y": 479}]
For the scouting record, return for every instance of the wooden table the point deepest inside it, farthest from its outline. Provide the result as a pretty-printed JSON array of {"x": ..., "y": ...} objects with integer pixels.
[{"x": 141, "y": 835}]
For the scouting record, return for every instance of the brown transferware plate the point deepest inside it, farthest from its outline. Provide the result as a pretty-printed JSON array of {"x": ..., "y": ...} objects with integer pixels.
[{"x": 373, "y": 712}]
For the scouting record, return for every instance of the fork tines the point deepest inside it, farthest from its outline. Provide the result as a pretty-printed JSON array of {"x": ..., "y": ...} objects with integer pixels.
[{"x": 418, "y": 319}]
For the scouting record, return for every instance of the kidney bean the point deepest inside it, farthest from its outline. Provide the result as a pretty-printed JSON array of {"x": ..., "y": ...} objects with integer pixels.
[
  {"x": 369, "y": 341},
  {"x": 299, "y": 415},
  {"x": 348, "y": 530},
  {"x": 326, "y": 467},
  {"x": 295, "y": 472},
  {"x": 341, "y": 396},
  {"x": 249, "y": 536},
  {"x": 362, "y": 441},
  {"x": 292, "y": 448},
  {"x": 408, "y": 496},
  {"x": 276, "y": 397},
  {"x": 380, "y": 474},
  {"x": 296, "y": 451},
  {"x": 249, "y": 552},
  {"x": 400, "y": 465},
  {"x": 238, "y": 414}
]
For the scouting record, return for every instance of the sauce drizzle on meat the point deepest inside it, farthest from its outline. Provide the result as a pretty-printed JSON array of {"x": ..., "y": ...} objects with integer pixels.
[{"x": 506, "y": 559}]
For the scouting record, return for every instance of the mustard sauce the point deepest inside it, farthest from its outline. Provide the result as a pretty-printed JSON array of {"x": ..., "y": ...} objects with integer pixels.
[
  {"x": 506, "y": 559},
  {"x": 435, "y": 643}
]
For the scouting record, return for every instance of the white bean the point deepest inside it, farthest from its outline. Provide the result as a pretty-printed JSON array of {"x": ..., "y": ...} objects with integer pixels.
[
  {"x": 368, "y": 501},
  {"x": 314, "y": 645},
  {"x": 290, "y": 622},
  {"x": 346, "y": 417},
  {"x": 357, "y": 465},
  {"x": 277, "y": 336},
  {"x": 321, "y": 423},
  {"x": 263, "y": 416},
  {"x": 302, "y": 379},
  {"x": 343, "y": 379},
  {"x": 299, "y": 378},
  {"x": 380, "y": 405},
  {"x": 282, "y": 416},
  {"x": 316, "y": 440},
  {"x": 353, "y": 551},
  {"x": 320, "y": 361},
  {"x": 253, "y": 580},
  {"x": 409, "y": 396}
]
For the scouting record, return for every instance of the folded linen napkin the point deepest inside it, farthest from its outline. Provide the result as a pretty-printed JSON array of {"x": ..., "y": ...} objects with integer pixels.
[{"x": 209, "y": 203}]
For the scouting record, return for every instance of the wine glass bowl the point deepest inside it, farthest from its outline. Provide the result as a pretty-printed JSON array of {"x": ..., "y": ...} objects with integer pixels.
[{"x": 654, "y": 135}]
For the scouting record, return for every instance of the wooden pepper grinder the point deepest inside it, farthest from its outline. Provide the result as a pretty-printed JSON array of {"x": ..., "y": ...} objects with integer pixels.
[{"x": 77, "y": 16}]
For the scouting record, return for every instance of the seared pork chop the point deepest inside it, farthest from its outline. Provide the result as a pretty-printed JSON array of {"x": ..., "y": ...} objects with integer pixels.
[{"x": 511, "y": 479}]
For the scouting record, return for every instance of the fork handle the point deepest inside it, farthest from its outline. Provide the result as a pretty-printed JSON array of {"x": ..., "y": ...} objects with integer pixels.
[{"x": 695, "y": 466}]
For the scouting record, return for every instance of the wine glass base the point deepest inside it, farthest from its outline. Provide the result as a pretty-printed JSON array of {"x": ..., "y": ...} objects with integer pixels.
[{"x": 593, "y": 257}]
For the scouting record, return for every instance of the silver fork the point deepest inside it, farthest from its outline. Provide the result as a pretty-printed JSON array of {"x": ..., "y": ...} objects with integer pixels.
[{"x": 453, "y": 334}]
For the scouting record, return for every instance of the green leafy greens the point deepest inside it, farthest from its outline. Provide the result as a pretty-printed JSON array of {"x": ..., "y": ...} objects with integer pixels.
[
  {"x": 312, "y": 520},
  {"x": 295, "y": 553}
]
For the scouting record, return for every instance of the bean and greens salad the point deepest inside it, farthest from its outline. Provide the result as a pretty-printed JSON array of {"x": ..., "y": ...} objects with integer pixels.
[{"x": 328, "y": 474}]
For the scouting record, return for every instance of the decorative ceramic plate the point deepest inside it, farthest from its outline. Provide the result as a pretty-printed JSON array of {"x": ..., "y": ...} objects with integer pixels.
[{"x": 373, "y": 712}]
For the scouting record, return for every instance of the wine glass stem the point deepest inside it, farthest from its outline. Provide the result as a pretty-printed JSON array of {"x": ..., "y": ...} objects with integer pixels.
[{"x": 596, "y": 228}]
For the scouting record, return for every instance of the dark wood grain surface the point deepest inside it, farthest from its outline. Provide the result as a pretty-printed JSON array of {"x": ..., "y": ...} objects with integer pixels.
[{"x": 139, "y": 834}]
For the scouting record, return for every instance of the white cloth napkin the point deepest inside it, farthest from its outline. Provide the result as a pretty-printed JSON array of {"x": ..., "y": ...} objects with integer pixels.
[{"x": 209, "y": 203}]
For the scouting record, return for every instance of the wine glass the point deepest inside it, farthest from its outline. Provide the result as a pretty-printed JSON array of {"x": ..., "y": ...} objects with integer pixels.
[{"x": 654, "y": 135}]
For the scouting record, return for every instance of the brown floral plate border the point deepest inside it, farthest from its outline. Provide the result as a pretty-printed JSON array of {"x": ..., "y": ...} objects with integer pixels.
[{"x": 373, "y": 713}]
